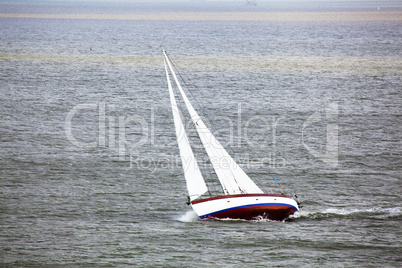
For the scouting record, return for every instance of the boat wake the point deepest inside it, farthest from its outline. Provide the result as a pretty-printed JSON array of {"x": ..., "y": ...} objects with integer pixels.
[
  {"x": 349, "y": 213},
  {"x": 380, "y": 213}
]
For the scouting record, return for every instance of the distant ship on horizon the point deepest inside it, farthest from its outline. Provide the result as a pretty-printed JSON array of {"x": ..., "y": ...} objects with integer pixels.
[{"x": 251, "y": 3}]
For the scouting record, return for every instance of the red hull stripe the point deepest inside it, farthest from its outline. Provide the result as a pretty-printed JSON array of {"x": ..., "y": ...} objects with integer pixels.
[{"x": 266, "y": 206}]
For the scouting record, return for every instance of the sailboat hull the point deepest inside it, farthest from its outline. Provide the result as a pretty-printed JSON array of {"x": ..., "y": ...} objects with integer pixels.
[{"x": 246, "y": 207}]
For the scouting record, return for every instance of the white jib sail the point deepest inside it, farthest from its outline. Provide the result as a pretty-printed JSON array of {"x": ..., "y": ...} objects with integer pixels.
[
  {"x": 232, "y": 178},
  {"x": 195, "y": 182}
]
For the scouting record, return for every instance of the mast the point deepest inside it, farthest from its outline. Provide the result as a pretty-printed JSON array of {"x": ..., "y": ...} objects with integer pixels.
[{"x": 232, "y": 178}]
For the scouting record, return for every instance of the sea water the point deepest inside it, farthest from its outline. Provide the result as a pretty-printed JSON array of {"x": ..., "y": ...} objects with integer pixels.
[{"x": 89, "y": 166}]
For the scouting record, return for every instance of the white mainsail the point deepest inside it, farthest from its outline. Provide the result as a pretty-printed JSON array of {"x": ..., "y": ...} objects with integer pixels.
[
  {"x": 195, "y": 182},
  {"x": 232, "y": 178}
]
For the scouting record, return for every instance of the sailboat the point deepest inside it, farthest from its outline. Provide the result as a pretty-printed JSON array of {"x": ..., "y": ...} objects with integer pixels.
[{"x": 241, "y": 198}]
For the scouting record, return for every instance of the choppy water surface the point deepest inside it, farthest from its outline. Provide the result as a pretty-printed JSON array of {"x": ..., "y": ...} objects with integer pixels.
[{"x": 89, "y": 164}]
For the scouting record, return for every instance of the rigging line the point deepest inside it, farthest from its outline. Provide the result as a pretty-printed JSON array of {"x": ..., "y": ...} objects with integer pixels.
[
  {"x": 193, "y": 147},
  {"x": 191, "y": 82},
  {"x": 195, "y": 150},
  {"x": 249, "y": 173},
  {"x": 216, "y": 130},
  {"x": 201, "y": 107},
  {"x": 203, "y": 111}
]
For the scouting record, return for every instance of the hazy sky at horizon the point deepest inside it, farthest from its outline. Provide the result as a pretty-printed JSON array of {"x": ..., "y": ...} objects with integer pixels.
[{"x": 173, "y": 1}]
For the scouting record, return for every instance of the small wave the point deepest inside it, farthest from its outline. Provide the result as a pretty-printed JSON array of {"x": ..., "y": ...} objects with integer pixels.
[
  {"x": 348, "y": 212},
  {"x": 345, "y": 211}
]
